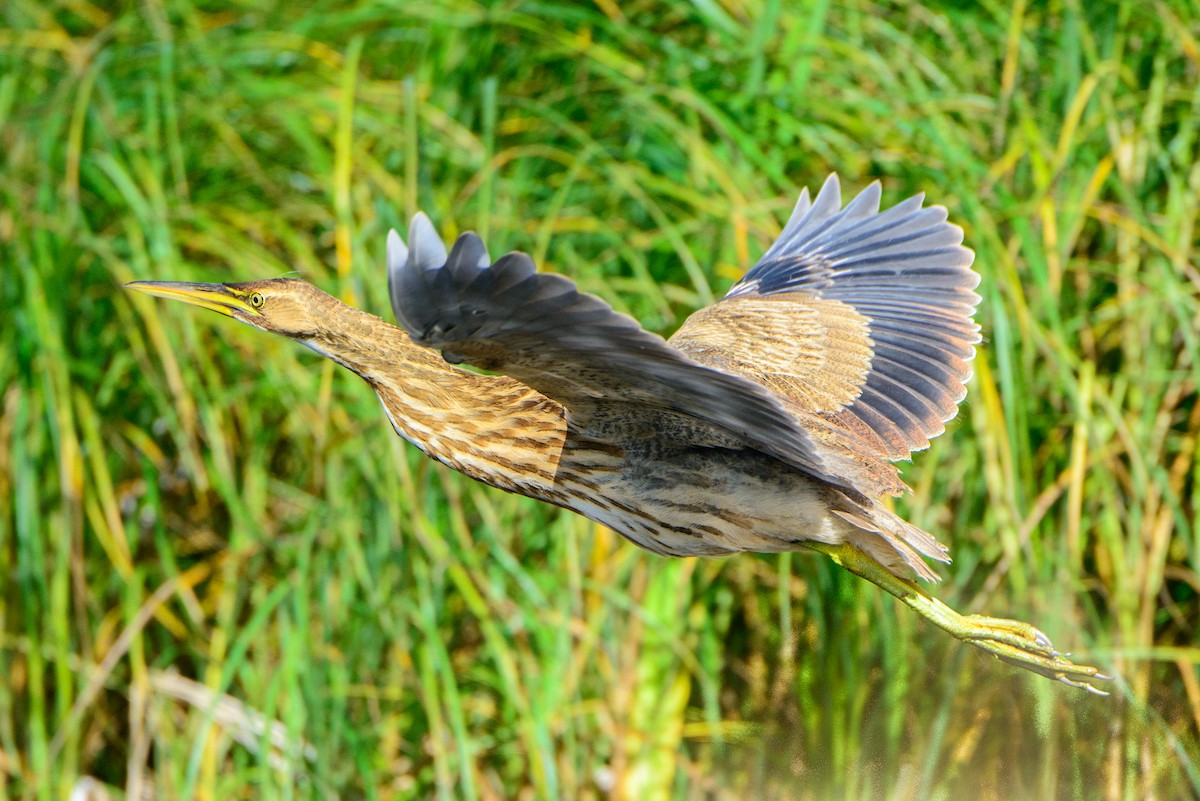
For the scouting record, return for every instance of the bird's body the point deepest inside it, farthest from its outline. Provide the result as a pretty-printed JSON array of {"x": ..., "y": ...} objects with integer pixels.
[
  {"x": 767, "y": 423},
  {"x": 679, "y": 491},
  {"x": 667, "y": 482}
]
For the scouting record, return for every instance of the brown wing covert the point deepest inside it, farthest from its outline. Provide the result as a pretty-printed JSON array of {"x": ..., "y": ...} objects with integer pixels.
[{"x": 905, "y": 273}]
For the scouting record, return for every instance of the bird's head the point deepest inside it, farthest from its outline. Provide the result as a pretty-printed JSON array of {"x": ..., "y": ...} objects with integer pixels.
[{"x": 287, "y": 306}]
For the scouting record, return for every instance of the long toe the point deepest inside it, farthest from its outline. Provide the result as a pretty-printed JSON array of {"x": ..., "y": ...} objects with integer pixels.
[{"x": 1021, "y": 645}]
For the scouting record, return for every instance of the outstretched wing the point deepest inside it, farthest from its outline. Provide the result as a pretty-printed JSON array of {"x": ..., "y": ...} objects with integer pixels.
[
  {"x": 572, "y": 347},
  {"x": 861, "y": 320}
]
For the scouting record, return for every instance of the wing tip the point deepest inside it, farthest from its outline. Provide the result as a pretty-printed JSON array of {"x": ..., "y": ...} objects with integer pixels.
[
  {"x": 397, "y": 251},
  {"x": 830, "y": 197},
  {"x": 468, "y": 252},
  {"x": 425, "y": 248}
]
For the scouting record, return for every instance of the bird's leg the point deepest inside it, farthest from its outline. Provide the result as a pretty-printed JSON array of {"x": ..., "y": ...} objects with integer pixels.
[{"x": 1012, "y": 641}]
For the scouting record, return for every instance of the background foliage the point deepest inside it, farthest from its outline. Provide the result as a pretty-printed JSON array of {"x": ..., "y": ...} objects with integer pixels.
[{"x": 221, "y": 576}]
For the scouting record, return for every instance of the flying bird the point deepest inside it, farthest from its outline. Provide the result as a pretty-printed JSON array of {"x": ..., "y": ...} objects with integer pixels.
[{"x": 768, "y": 422}]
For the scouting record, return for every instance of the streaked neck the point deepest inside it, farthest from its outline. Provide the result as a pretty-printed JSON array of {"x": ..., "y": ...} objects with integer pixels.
[{"x": 492, "y": 428}]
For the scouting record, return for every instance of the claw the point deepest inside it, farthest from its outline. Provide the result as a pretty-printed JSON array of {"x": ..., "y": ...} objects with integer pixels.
[
  {"x": 1038, "y": 656},
  {"x": 1013, "y": 642}
]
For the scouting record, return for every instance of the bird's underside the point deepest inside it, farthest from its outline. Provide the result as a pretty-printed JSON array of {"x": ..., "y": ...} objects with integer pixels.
[
  {"x": 770, "y": 420},
  {"x": 682, "y": 488}
]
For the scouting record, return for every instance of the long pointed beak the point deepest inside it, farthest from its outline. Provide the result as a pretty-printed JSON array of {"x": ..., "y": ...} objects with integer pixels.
[{"x": 217, "y": 297}]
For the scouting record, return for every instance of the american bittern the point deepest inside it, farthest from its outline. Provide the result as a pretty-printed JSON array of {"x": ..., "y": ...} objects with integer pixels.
[{"x": 767, "y": 423}]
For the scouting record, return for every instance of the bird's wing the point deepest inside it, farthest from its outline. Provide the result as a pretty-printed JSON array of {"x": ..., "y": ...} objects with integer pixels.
[
  {"x": 573, "y": 347},
  {"x": 860, "y": 319}
]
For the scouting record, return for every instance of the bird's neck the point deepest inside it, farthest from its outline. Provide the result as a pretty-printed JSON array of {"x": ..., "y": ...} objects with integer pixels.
[{"x": 492, "y": 428}]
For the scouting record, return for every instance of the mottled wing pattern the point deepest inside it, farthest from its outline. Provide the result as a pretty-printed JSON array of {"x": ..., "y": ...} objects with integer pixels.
[
  {"x": 813, "y": 354},
  {"x": 573, "y": 347},
  {"x": 860, "y": 319}
]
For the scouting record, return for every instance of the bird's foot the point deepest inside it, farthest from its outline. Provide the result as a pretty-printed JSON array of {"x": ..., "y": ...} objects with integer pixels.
[
  {"x": 1019, "y": 644},
  {"x": 1024, "y": 646}
]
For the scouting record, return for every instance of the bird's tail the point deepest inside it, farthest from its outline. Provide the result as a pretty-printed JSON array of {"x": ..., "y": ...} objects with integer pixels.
[{"x": 895, "y": 543}]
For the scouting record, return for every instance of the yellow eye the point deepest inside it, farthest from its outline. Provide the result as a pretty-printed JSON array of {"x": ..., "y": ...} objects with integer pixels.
[{"x": 256, "y": 300}]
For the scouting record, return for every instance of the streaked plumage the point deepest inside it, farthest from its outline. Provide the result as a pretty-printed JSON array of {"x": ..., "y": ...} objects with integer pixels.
[
  {"x": 768, "y": 422},
  {"x": 845, "y": 346}
]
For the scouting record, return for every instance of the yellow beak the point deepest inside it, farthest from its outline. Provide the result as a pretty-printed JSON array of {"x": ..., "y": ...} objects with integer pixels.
[{"x": 217, "y": 297}]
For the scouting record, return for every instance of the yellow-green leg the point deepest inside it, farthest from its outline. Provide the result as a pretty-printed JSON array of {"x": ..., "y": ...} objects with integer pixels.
[{"x": 1014, "y": 642}]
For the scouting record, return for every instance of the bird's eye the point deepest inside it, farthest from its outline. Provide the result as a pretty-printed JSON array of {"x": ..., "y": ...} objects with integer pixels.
[{"x": 256, "y": 300}]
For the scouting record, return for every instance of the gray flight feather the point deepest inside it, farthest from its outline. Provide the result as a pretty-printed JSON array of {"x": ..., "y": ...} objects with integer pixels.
[
  {"x": 397, "y": 257},
  {"x": 426, "y": 249},
  {"x": 906, "y": 271}
]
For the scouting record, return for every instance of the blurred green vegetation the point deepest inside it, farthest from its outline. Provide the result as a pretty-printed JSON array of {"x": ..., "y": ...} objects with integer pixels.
[{"x": 222, "y": 576}]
